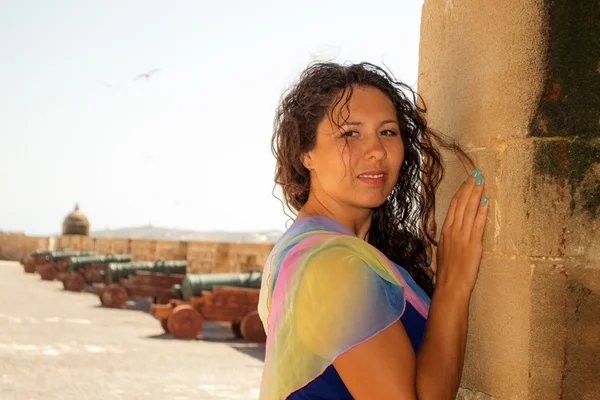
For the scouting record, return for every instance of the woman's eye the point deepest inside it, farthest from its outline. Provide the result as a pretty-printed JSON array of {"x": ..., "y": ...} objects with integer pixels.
[
  {"x": 388, "y": 132},
  {"x": 349, "y": 134}
]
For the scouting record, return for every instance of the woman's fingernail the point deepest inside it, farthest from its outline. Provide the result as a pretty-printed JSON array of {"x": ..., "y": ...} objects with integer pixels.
[
  {"x": 427, "y": 260},
  {"x": 476, "y": 172},
  {"x": 484, "y": 201},
  {"x": 479, "y": 179},
  {"x": 409, "y": 245}
]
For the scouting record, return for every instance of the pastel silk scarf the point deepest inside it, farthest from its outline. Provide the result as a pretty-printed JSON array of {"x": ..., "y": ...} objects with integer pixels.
[{"x": 324, "y": 290}]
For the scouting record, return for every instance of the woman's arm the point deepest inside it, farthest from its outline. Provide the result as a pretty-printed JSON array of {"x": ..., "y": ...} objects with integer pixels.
[{"x": 385, "y": 366}]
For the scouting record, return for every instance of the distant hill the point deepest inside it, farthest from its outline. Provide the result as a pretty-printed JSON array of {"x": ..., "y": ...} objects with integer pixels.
[{"x": 155, "y": 232}]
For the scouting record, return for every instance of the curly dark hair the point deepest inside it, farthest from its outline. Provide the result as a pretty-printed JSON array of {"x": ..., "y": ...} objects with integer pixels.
[{"x": 400, "y": 227}]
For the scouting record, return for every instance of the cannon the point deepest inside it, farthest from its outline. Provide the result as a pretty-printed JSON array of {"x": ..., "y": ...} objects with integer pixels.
[
  {"x": 36, "y": 258},
  {"x": 55, "y": 261},
  {"x": 139, "y": 279},
  {"x": 82, "y": 270},
  {"x": 196, "y": 284},
  {"x": 229, "y": 298}
]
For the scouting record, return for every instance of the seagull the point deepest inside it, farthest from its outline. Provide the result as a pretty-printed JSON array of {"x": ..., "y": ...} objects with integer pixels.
[{"x": 147, "y": 74}]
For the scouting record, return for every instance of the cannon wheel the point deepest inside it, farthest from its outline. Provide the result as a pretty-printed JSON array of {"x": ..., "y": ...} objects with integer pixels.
[
  {"x": 74, "y": 282},
  {"x": 185, "y": 322},
  {"x": 114, "y": 296},
  {"x": 236, "y": 329},
  {"x": 252, "y": 328}
]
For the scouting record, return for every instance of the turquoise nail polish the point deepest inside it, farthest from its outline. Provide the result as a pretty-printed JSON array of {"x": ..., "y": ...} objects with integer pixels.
[
  {"x": 484, "y": 201},
  {"x": 479, "y": 179},
  {"x": 476, "y": 172},
  {"x": 427, "y": 260},
  {"x": 409, "y": 245}
]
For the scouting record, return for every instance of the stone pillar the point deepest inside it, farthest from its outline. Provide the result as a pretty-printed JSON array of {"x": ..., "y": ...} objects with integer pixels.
[{"x": 517, "y": 83}]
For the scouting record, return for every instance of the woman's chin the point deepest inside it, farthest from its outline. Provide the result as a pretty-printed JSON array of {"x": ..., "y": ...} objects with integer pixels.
[{"x": 372, "y": 203}]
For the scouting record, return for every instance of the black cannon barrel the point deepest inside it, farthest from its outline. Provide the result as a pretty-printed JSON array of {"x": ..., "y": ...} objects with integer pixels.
[
  {"x": 47, "y": 252},
  {"x": 78, "y": 262},
  {"x": 195, "y": 284},
  {"x": 115, "y": 272},
  {"x": 52, "y": 257}
]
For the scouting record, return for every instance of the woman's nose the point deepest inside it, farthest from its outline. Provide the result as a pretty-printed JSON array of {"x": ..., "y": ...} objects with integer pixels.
[{"x": 375, "y": 148}]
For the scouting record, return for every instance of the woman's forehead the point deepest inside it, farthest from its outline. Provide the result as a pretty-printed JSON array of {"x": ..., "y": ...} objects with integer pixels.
[{"x": 362, "y": 104}]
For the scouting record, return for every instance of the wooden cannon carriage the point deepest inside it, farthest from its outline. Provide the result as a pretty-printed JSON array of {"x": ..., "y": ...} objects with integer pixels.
[
  {"x": 229, "y": 298},
  {"x": 139, "y": 279},
  {"x": 53, "y": 267},
  {"x": 86, "y": 270}
]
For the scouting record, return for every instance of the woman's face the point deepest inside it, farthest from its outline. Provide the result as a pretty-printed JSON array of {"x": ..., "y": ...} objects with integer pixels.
[{"x": 357, "y": 165}]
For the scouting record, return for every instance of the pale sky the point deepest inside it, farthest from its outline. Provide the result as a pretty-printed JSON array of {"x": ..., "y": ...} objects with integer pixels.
[{"x": 188, "y": 148}]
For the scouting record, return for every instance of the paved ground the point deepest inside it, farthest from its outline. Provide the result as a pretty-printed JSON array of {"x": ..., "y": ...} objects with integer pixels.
[{"x": 62, "y": 345}]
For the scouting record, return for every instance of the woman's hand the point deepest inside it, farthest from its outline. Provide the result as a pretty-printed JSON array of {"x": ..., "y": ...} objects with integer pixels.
[{"x": 461, "y": 241}]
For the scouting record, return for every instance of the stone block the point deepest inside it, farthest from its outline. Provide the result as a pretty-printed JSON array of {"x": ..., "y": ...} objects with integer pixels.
[
  {"x": 246, "y": 256},
  {"x": 200, "y": 267},
  {"x": 120, "y": 245},
  {"x": 143, "y": 250},
  {"x": 488, "y": 161},
  {"x": 532, "y": 207},
  {"x": 583, "y": 177},
  {"x": 547, "y": 345},
  {"x": 102, "y": 245},
  {"x": 518, "y": 330},
  {"x": 582, "y": 378},
  {"x": 499, "y": 330},
  {"x": 481, "y": 67},
  {"x": 171, "y": 249},
  {"x": 202, "y": 256}
]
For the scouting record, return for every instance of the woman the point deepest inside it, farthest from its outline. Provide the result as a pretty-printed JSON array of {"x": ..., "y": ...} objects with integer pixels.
[{"x": 348, "y": 305}]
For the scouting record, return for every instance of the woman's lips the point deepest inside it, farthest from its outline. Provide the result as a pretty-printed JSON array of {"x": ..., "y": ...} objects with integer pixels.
[{"x": 373, "y": 177}]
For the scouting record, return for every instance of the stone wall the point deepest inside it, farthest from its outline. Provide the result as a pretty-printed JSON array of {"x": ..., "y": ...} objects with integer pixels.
[
  {"x": 15, "y": 246},
  {"x": 202, "y": 257},
  {"x": 516, "y": 82}
]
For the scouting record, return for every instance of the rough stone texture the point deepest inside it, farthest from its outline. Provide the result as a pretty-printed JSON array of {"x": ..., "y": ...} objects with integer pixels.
[
  {"x": 547, "y": 344},
  {"x": 15, "y": 246},
  {"x": 480, "y": 66},
  {"x": 497, "y": 346},
  {"x": 59, "y": 345},
  {"x": 202, "y": 256},
  {"x": 466, "y": 394},
  {"x": 143, "y": 250},
  {"x": 517, "y": 83},
  {"x": 171, "y": 249},
  {"x": 102, "y": 245},
  {"x": 245, "y": 256},
  {"x": 120, "y": 246},
  {"x": 582, "y": 370}
]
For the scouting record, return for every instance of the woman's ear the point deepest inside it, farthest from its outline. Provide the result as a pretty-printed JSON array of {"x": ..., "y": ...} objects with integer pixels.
[{"x": 306, "y": 160}]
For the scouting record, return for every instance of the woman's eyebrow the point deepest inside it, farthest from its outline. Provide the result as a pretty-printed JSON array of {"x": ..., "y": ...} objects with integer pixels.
[{"x": 358, "y": 123}]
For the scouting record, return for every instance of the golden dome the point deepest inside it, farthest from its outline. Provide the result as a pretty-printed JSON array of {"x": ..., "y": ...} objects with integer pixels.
[{"x": 76, "y": 223}]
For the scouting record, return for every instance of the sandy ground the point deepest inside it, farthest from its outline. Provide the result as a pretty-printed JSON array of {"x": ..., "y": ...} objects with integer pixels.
[{"x": 56, "y": 345}]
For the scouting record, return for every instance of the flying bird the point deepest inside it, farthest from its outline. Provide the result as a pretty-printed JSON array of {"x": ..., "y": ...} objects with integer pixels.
[{"x": 147, "y": 74}]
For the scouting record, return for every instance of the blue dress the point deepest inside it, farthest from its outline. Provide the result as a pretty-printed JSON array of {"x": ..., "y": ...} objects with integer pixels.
[{"x": 329, "y": 385}]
